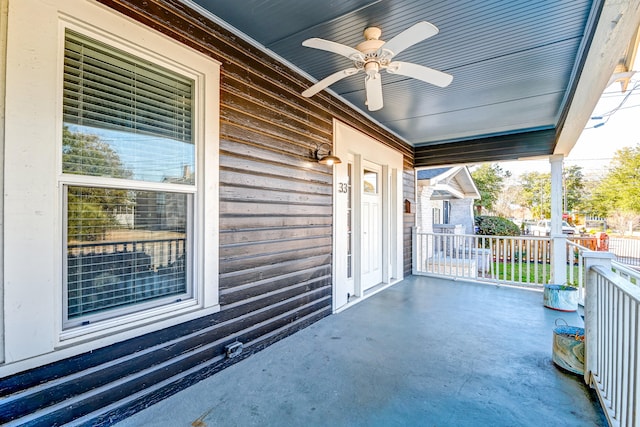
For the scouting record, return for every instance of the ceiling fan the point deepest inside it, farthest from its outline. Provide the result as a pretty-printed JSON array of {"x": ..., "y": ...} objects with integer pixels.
[{"x": 374, "y": 55}]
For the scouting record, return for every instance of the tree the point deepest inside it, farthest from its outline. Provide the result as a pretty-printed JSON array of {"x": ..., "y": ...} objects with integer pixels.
[
  {"x": 536, "y": 193},
  {"x": 596, "y": 202},
  {"x": 489, "y": 179},
  {"x": 86, "y": 154},
  {"x": 619, "y": 191},
  {"x": 91, "y": 210},
  {"x": 508, "y": 203},
  {"x": 623, "y": 221},
  {"x": 573, "y": 187}
]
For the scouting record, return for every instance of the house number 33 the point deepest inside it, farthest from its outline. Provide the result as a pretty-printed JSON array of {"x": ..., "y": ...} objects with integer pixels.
[{"x": 342, "y": 187}]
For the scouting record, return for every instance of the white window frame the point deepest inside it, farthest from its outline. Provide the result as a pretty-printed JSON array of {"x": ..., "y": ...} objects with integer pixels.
[
  {"x": 197, "y": 222},
  {"x": 34, "y": 209},
  {"x": 435, "y": 215},
  {"x": 66, "y": 180}
]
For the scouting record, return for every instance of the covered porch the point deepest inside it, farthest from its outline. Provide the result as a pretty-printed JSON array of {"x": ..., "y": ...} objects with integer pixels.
[
  {"x": 426, "y": 351},
  {"x": 267, "y": 220}
]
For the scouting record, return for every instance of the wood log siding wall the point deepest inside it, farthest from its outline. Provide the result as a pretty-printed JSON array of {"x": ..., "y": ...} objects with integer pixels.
[
  {"x": 409, "y": 189},
  {"x": 275, "y": 220}
]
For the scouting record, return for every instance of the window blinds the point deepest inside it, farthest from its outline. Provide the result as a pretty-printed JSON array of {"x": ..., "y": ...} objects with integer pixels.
[
  {"x": 110, "y": 89},
  {"x": 124, "y": 247}
]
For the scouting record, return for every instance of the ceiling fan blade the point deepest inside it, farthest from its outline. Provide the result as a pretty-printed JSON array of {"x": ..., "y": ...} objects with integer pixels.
[
  {"x": 420, "y": 72},
  {"x": 412, "y": 35},
  {"x": 373, "y": 89},
  {"x": 328, "y": 81},
  {"x": 334, "y": 47}
]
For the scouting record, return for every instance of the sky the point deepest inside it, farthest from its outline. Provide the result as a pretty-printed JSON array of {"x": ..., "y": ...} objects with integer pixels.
[{"x": 597, "y": 145}]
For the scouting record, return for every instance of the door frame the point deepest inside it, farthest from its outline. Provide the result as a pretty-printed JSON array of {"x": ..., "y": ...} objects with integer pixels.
[{"x": 354, "y": 146}]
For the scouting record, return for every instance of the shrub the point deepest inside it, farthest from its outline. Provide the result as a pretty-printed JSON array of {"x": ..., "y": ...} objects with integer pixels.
[{"x": 495, "y": 226}]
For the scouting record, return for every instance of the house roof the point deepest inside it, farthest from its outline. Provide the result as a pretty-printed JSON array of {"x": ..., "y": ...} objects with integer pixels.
[
  {"x": 449, "y": 183},
  {"x": 431, "y": 173},
  {"x": 526, "y": 74}
]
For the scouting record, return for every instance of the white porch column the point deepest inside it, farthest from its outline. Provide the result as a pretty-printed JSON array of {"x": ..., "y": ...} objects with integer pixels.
[{"x": 558, "y": 239}]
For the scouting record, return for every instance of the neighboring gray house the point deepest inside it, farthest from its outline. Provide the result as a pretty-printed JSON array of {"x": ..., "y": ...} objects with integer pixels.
[{"x": 445, "y": 199}]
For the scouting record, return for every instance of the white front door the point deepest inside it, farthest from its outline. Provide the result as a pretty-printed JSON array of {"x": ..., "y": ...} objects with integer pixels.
[
  {"x": 367, "y": 233},
  {"x": 371, "y": 239}
]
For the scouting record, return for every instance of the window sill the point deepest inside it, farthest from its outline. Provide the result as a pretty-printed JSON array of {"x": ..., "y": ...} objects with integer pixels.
[{"x": 135, "y": 324}]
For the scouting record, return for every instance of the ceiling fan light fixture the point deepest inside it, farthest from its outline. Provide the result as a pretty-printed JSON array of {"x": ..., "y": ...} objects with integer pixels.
[{"x": 371, "y": 68}]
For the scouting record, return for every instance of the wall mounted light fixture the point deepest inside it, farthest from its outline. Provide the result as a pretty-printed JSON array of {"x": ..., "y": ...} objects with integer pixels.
[{"x": 327, "y": 159}]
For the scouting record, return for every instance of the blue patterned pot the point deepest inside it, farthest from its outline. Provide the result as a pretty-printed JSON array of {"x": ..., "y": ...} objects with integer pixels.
[{"x": 561, "y": 297}]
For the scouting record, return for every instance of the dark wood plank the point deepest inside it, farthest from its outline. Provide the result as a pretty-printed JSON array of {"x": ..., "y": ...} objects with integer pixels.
[
  {"x": 271, "y": 259},
  {"x": 271, "y": 272},
  {"x": 258, "y": 97},
  {"x": 268, "y": 170},
  {"x": 273, "y": 234},
  {"x": 525, "y": 144},
  {"x": 233, "y": 222},
  {"x": 256, "y": 179},
  {"x": 262, "y": 249}
]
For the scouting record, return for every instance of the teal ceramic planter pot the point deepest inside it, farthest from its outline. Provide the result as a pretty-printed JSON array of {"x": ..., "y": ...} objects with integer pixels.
[{"x": 561, "y": 297}]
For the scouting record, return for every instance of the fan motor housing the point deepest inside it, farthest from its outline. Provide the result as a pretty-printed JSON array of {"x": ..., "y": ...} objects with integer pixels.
[{"x": 372, "y": 42}]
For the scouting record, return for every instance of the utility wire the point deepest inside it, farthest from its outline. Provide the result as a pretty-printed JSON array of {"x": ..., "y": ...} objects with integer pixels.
[{"x": 611, "y": 112}]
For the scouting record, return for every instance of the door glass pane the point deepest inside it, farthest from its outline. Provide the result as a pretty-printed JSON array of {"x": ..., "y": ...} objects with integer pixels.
[{"x": 370, "y": 184}]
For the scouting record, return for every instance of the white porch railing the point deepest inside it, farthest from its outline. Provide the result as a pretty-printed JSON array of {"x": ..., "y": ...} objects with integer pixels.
[
  {"x": 575, "y": 276},
  {"x": 515, "y": 260},
  {"x": 626, "y": 272},
  {"x": 627, "y": 250},
  {"x": 612, "y": 338}
]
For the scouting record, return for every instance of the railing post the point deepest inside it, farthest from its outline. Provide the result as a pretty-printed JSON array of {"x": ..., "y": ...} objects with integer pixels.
[
  {"x": 559, "y": 259},
  {"x": 414, "y": 246},
  {"x": 592, "y": 258}
]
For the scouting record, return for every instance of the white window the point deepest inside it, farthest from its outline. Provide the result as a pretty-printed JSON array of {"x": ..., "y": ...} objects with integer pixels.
[
  {"x": 129, "y": 239},
  {"x": 446, "y": 212},
  {"x": 435, "y": 216},
  {"x": 110, "y": 212}
]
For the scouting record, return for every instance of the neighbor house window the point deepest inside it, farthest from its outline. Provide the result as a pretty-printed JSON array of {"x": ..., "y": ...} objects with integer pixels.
[
  {"x": 446, "y": 212},
  {"x": 129, "y": 164},
  {"x": 435, "y": 215}
]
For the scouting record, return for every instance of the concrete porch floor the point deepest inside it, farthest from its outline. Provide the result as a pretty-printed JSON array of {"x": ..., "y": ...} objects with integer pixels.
[{"x": 428, "y": 352}]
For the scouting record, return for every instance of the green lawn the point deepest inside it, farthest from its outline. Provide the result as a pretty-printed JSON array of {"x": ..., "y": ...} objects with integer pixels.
[{"x": 534, "y": 273}]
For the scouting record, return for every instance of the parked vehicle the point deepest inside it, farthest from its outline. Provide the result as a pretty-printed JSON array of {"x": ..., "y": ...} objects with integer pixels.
[
  {"x": 526, "y": 226},
  {"x": 543, "y": 228}
]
